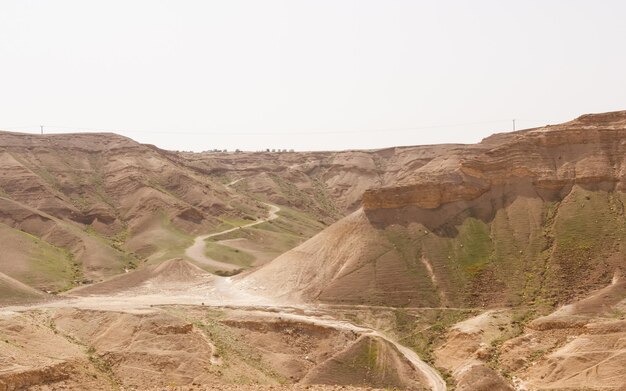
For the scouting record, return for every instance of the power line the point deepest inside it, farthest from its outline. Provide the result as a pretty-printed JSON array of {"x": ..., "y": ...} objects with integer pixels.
[
  {"x": 20, "y": 127},
  {"x": 265, "y": 133}
]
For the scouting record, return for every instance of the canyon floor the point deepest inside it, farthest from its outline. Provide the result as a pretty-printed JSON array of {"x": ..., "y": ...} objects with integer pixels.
[
  {"x": 176, "y": 326},
  {"x": 174, "y": 292}
]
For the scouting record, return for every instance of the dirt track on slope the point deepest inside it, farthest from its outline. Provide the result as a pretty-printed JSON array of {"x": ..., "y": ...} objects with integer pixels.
[
  {"x": 156, "y": 287},
  {"x": 196, "y": 250}
]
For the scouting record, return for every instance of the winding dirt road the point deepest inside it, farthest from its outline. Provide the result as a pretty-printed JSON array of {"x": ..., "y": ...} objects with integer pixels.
[
  {"x": 222, "y": 288},
  {"x": 219, "y": 292},
  {"x": 196, "y": 250}
]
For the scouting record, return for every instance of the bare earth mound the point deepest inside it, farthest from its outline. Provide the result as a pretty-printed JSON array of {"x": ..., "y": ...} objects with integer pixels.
[{"x": 176, "y": 273}]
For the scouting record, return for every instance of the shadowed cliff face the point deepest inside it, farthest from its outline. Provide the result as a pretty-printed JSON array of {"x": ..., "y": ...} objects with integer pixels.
[
  {"x": 532, "y": 217},
  {"x": 546, "y": 206}
]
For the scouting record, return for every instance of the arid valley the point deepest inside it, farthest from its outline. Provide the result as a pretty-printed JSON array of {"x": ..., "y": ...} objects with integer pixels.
[{"x": 490, "y": 266}]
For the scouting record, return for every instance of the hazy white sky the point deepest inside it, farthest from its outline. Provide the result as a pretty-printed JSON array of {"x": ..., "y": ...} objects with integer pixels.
[{"x": 315, "y": 74}]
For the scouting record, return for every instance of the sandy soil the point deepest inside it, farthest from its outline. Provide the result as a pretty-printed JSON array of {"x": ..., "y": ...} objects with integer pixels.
[
  {"x": 265, "y": 388},
  {"x": 466, "y": 347},
  {"x": 170, "y": 284},
  {"x": 260, "y": 254},
  {"x": 13, "y": 291}
]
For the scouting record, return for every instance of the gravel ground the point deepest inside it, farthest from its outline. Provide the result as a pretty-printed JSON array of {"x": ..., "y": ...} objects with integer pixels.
[{"x": 296, "y": 387}]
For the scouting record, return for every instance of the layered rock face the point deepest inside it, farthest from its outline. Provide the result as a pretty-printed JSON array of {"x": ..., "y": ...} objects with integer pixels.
[
  {"x": 326, "y": 184},
  {"x": 104, "y": 180},
  {"x": 588, "y": 151},
  {"x": 532, "y": 217},
  {"x": 536, "y": 215},
  {"x": 520, "y": 217}
]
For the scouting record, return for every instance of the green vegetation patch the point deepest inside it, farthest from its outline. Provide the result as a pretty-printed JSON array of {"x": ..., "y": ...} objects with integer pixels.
[
  {"x": 222, "y": 253},
  {"x": 170, "y": 242},
  {"x": 425, "y": 330},
  {"x": 587, "y": 231},
  {"x": 473, "y": 247},
  {"x": 49, "y": 268}
]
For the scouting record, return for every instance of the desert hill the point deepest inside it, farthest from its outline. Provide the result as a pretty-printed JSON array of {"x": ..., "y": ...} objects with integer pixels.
[
  {"x": 494, "y": 266},
  {"x": 518, "y": 218},
  {"x": 77, "y": 208},
  {"x": 532, "y": 217},
  {"x": 94, "y": 199},
  {"x": 173, "y": 272},
  {"x": 328, "y": 184},
  {"x": 190, "y": 348}
]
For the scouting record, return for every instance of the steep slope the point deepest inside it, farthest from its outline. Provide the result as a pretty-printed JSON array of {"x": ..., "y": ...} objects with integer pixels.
[
  {"x": 578, "y": 346},
  {"x": 14, "y": 292},
  {"x": 106, "y": 201},
  {"x": 371, "y": 362},
  {"x": 103, "y": 180},
  {"x": 348, "y": 262},
  {"x": 51, "y": 254},
  {"x": 533, "y": 217}
]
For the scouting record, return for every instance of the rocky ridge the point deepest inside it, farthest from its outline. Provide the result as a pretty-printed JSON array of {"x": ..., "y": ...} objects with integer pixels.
[{"x": 531, "y": 217}]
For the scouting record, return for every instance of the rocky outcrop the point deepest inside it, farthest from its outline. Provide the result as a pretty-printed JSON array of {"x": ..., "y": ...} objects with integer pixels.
[
  {"x": 19, "y": 380},
  {"x": 468, "y": 209},
  {"x": 533, "y": 216},
  {"x": 427, "y": 195},
  {"x": 588, "y": 151},
  {"x": 327, "y": 184}
]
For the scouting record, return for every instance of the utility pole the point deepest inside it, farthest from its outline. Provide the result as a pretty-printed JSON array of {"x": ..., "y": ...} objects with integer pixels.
[
  {"x": 514, "y": 125},
  {"x": 41, "y": 127}
]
